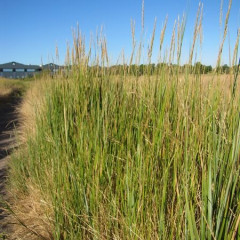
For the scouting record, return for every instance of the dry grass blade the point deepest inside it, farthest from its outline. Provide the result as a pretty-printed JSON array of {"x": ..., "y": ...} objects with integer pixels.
[
  {"x": 198, "y": 24},
  {"x": 221, "y": 13},
  {"x": 224, "y": 34},
  {"x": 180, "y": 32},
  {"x": 142, "y": 15},
  {"x": 162, "y": 35},
  {"x": 235, "y": 53},
  {"x": 150, "y": 49},
  {"x": 133, "y": 42},
  {"x": 172, "y": 47}
]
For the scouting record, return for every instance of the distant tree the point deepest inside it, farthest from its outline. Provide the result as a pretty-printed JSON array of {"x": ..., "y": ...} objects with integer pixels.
[
  {"x": 208, "y": 69},
  {"x": 151, "y": 68},
  {"x": 198, "y": 68},
  {"x": 225, "y": 69},
  {"x": 141, "y": 70}
]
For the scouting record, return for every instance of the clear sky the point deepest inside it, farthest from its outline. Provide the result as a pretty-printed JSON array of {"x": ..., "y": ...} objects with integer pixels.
[{"x": 30, "y": 30}]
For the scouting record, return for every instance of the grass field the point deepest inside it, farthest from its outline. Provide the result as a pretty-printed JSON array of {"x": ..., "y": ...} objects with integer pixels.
[{"x": 109, "y": 156}]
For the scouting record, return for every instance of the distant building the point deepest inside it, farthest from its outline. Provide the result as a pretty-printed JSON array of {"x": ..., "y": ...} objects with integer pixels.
[
  {"x": 51, "y": 67},
  {"x": 19, "y": 70}
]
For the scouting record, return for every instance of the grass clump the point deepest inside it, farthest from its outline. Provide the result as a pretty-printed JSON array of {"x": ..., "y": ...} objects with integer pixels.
[{"x": 120, "y": 157}]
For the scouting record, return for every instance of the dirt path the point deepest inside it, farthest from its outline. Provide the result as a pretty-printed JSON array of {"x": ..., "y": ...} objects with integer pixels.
[{"x": 8, "y": 122}]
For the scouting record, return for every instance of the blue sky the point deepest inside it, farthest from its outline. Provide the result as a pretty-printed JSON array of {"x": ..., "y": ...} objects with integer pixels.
[{"x": 30, "y": 30}]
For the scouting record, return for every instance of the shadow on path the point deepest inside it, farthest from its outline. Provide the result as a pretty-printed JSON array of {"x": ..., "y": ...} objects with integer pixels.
[{"x": 8, "y": 122}]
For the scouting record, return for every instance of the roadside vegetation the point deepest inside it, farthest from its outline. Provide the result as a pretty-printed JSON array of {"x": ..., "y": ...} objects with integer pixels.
[
  {"x": 7, "y": 86},
  {"x": 107, "y": 154},
  {"x": 12, "y": 88}
]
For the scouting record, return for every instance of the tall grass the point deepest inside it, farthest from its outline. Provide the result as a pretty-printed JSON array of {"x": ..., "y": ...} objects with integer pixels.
[{"x": 123, "y": 157}]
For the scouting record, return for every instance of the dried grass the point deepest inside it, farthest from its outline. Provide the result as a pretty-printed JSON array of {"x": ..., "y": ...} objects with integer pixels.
[{"x": 31, "y": 217}]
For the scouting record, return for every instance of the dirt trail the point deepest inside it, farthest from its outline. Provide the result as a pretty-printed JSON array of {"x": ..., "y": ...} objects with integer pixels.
[{"x": 8, "y": 122}]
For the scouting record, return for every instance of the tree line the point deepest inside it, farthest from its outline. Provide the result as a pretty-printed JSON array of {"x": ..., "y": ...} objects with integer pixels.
[
  {"x": 151, "y": 69},
  {"x": 197, "y": 68}
]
